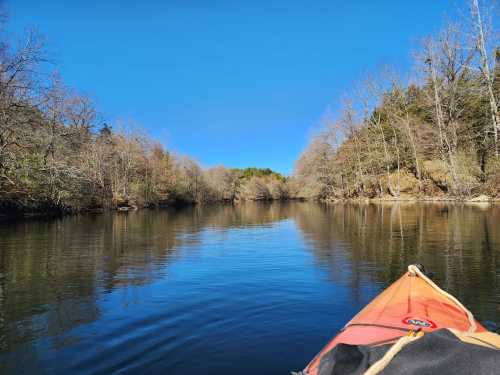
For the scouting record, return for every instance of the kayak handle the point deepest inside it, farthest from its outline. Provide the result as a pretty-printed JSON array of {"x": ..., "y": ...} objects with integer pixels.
[{"x": 422, "y": 269}]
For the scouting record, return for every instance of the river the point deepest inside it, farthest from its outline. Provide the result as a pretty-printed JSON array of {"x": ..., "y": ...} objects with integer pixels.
[{"x": 246, "y": 289}]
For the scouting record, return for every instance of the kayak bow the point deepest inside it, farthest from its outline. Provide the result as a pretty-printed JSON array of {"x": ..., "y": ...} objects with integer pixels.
[{"x": 411, "y": 304}]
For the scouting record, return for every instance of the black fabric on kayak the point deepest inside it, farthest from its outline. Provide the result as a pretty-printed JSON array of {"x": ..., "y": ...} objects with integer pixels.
[{"x": 439, "y": 352}]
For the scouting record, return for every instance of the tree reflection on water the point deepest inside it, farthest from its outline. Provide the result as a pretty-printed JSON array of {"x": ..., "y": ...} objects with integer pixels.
[{"x": 53, "y": 272}]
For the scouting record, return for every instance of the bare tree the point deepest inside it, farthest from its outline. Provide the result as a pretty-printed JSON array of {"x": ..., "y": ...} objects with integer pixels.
[
  {"x": 223, "y": 183},
  {"x": 447, "y": 62},
  {"x": 18, "y": 90},
  {"x": 351, "y": 127},
  {"x": 256, "y": 189},
  {"x": 315, "y": 169},
  {"x": 485, "y": 69},
  {"x": 399, "y": 113},
  {"x": 192, "y": 180}
]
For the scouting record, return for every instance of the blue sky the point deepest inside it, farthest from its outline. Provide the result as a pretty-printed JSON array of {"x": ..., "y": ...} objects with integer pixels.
[{"x": 239, "y": 83}]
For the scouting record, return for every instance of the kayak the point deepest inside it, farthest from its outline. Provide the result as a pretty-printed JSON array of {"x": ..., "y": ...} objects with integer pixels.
[{"x": 411, "y": 306}]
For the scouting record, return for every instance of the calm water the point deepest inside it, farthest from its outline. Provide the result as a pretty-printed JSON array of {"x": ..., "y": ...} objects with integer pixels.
[{"x": 223, "y": 290}]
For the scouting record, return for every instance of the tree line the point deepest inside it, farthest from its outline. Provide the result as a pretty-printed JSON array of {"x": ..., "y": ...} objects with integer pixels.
[
  {"x": 435, "y": 134},
  {"x": 56, "y": 153}
]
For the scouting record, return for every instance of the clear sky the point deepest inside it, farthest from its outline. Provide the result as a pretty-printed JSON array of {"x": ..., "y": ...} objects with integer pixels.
[{"x": 239, "y": 83}]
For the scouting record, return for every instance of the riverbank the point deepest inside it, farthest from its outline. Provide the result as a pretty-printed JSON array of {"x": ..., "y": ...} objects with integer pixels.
[
  {"x": 10, "y": 212},
  {"x": 20, "y": 214},
  {"x": 481, "y": 199}
]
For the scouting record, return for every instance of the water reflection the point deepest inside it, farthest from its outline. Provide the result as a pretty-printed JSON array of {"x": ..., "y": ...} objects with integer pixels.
[
  {"x": 57, "y": 267},
  {"x": 54, "y": 275},
  {"x": 459, "y": 243}
]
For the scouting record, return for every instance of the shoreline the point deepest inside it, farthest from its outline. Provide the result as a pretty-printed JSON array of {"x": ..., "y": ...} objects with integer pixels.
[
  {"x": 19, "y": 214},
  {"x": 482, "y": 199}
]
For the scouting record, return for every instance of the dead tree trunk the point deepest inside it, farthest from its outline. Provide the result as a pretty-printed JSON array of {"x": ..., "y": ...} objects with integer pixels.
[{"x": 485, "y": 71}]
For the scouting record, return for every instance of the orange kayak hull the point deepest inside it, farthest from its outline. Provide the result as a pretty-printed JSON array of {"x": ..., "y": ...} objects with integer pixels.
[{"x": 408, "y": 304}]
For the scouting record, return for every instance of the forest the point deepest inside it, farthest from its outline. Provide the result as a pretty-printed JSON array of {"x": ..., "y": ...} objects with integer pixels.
[
  {"x": 432, "y": 135},
  {"x": 56, "y": 155}
]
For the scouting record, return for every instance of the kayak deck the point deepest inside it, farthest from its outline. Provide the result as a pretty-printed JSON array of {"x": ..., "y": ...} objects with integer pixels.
[{"x": 409, "y": 304}]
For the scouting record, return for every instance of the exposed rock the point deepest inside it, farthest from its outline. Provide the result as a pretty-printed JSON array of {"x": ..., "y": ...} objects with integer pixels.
[
  {"x": 405, "y": 183},
  {"x": 480, "y": 198},
  {"x": 437, "y": 171}
]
